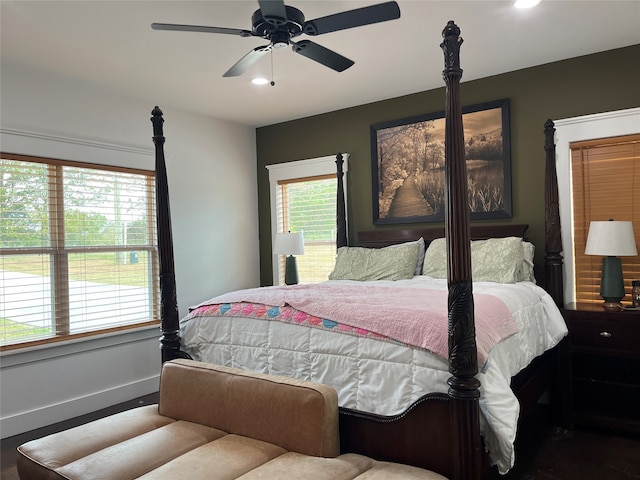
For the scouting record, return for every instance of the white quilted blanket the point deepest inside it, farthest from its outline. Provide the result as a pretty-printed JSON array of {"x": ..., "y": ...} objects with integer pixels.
[{"x": 379, "y": 376}]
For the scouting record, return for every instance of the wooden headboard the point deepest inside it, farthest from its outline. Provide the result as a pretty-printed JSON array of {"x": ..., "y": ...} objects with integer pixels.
[{"x": 384, "y": 238}]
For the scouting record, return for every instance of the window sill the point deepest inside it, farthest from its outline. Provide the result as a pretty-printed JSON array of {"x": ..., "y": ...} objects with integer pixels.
[{"x": 35, "y": 353}]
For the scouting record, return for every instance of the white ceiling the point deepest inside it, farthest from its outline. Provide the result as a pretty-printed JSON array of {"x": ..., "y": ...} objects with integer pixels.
[{"x": 111, "y": 44}]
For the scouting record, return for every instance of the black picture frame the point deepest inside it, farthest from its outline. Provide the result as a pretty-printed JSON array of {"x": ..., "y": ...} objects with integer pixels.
[{"x": 407, "y": 156}]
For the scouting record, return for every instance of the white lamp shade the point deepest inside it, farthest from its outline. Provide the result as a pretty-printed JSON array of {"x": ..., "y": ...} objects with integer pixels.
[
  {"x": 612, "y": 239},
  {"x": 289, "y": 244}
]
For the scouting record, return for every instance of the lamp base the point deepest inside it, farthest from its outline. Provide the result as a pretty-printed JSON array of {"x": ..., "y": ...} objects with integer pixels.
[
  {"x": 611, "y": 283},
  {"x": 612, "y": 306},
  {"x": 291, "y": 271}
]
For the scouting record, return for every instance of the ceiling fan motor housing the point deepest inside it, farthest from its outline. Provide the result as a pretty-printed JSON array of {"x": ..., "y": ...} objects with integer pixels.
[{"x": 270, "y": 26}]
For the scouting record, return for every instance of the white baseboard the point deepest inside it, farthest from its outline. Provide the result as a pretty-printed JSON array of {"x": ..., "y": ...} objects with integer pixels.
[{"x": 50, "y": 414}]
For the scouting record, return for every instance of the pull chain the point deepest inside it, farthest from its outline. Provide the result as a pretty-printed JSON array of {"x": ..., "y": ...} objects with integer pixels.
[{"x": 272, "y": 82}]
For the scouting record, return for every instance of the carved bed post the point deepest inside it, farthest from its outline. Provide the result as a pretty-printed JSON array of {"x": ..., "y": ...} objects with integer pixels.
[
  {"x": 554, "y": 279},
  {"x": 170, "y": 340},
  {"x": 341, "y": 211},
  {"x": 553, "y": 238},
  {"x": 463, "y": 358}
]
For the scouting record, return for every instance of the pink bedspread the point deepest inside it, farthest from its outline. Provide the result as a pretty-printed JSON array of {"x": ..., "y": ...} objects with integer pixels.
[{"x": 417, "y": 317}]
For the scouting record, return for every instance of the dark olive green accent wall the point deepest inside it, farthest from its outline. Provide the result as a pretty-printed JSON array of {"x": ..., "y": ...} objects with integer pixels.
[{"x": 586, "y": 85}]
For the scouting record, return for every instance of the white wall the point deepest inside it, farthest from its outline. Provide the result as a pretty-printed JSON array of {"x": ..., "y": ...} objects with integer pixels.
[{"x": 211, "y": 168}]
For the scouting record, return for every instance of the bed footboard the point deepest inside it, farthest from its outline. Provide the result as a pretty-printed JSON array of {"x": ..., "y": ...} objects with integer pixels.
[{"x": 420, "y": 436}]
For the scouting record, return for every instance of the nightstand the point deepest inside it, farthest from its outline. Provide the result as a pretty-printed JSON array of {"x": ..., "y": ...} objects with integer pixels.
[{"x": 605, "y": 366}]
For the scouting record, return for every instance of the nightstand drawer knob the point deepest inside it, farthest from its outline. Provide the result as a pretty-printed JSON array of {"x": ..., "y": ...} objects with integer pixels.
[{"x": 605, "y": 334}]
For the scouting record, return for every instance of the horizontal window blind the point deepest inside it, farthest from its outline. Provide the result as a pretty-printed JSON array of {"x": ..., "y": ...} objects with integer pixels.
[
  {"x": 606, "y": 184},
  {"x": 308, "y": 205},
  {"x": 78, "y": 249}
]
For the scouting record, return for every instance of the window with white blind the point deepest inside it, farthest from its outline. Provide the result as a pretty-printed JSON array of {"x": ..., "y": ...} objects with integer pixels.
[
  {"x": 308, "y": 206},
  {"x": 303, "y": 200},
  {"x": 78, "y": 249},
  {"x": 606, "y": 185}
]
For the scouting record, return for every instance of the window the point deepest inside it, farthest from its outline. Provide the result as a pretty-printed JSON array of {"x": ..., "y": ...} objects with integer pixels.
[
  {"x": 303, "y": 197},
  {"x": 309, "y": 206},
  {"x": 577, "y": 129},
  {"x": 78, "y": 250},
  {"x": 606, "y": 184}
]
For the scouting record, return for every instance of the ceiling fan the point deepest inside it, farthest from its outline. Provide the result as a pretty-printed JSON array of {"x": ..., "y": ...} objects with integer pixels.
[{"x": 280, "y": 23}]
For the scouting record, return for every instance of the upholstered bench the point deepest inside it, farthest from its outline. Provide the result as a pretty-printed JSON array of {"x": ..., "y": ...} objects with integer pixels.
[{"x": 212, "y": 422}]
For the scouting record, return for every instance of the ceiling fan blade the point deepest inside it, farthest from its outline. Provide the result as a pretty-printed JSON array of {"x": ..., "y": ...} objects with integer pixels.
[
  {"x": 322, "y": 55},
  {"x": 245, "y": 62},
  {"x": 273, "y": 11},
  {"x": 381, "y": 12},
  {"x": 198, "y": 28}
]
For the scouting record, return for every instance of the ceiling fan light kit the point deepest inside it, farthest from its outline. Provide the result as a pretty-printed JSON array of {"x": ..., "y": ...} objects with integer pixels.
[{"x": 280, "y": 23}]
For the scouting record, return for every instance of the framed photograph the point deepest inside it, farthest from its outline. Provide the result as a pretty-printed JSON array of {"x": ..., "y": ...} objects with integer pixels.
[{"x": 407, "y": 165}]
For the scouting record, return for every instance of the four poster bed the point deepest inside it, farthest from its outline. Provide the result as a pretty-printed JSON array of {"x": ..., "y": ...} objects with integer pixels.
[{"x": 400, "y": 399}]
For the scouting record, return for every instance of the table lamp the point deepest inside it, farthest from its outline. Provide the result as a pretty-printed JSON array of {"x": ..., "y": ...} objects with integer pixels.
[
  {"x": 289, "y": 244},
  {"x": 611, "y": 239}
]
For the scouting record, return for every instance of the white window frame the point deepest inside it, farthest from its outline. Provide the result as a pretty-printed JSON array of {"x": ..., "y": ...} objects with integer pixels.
[
  {"x": 38, "y": 144},
  {"x": 311, "y": 167},
  {"x": 568, "y": 130}
]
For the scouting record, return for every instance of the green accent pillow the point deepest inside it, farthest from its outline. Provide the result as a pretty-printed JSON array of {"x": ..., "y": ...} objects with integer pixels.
[
  {"x": 497, "y": 260},
  {"x": 421, "y": 250},
  {"x": 396, "y": 262}
]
